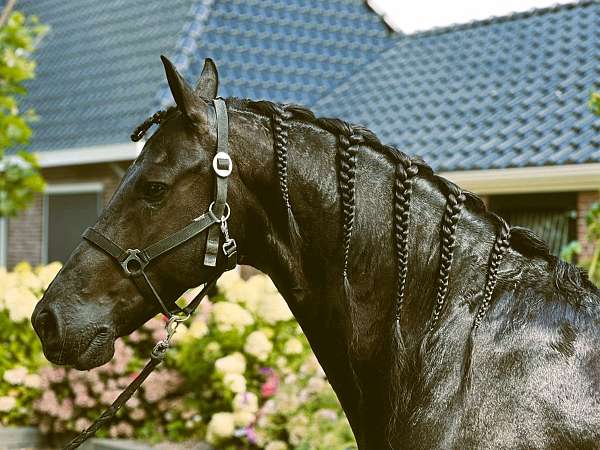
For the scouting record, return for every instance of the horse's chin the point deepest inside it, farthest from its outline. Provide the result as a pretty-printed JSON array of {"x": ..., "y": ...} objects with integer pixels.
[{"x": 100, "y": 350}]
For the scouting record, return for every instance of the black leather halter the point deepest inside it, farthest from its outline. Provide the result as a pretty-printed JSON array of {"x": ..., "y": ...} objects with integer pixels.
[{"x": 134, "y": 261}]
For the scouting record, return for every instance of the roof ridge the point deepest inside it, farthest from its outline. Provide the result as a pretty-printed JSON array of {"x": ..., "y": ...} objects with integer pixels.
[
  {"x": 183, "y": 55},
  {"x": 390, "y": 28},
  {"x": 501, "y": 19}
]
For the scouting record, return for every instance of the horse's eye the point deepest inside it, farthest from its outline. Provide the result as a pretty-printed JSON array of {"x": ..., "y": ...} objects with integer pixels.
[{"x": 154, "y": 191}]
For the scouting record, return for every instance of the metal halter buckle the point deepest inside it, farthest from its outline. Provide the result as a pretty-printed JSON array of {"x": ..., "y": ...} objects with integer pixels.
[
  {"x": 223, "y": 218},
  {"x": 229, "y": 247},
  {"x": 136, "y": 257},
  {"x": 222, "y": 164}
]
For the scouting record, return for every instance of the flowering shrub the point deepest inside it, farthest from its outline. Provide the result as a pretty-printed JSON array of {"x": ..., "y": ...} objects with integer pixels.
[
  {"x": 20, "y": 352},
  {"x": 257, "y": 384},
  {"x": 239, "y": 375}
]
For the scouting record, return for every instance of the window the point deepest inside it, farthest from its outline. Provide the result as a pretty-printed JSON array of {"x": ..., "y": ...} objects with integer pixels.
[
  {"x": 3, "y": 242},
  {"x": 68, "y": 210},
  {"x": 551, "y": 216}
]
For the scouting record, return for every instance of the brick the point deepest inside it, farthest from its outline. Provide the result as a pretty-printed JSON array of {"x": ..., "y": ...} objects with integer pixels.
[{"x": 584, "y": 202}]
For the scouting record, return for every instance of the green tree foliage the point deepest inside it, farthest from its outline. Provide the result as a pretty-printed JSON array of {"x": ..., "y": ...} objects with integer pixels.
[
  {"x": 20, "y": 179},
  {"x": 593, "y": 232},
  {"x": 595, "y": 103}
]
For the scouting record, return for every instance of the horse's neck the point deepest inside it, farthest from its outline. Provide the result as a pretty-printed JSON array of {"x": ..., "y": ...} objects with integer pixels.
[{"x": 351, "y": 336}]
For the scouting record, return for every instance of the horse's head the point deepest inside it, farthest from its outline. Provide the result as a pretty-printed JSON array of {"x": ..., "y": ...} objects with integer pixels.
[{"x": 92, "y": 301}]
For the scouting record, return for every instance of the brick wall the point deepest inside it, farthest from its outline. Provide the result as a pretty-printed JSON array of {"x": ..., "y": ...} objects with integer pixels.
[
  {"x": 584, "y": 201},
  {"x": 24, "y": 237}
]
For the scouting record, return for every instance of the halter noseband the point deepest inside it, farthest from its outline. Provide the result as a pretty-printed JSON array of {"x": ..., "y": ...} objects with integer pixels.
[{"x": 134, "y": 261}]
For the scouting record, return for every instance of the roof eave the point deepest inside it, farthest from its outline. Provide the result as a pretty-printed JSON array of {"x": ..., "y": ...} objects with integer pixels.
[
  {"x": 564, "y": 178},
  {"x": 89, "y": 155}
]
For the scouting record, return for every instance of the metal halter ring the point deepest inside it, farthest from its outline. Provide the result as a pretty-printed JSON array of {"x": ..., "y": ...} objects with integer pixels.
[
  {"x": 227, "y": 212},
  {"x": 135, "y": 256},
  {"x": 222, "y": 158}
]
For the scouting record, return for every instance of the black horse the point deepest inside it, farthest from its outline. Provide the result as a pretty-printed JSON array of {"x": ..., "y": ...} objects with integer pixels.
[{"x": 437, "y": 324}]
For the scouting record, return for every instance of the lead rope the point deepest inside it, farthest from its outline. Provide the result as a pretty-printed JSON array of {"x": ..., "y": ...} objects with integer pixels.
[{"x": 156, "y": 357}]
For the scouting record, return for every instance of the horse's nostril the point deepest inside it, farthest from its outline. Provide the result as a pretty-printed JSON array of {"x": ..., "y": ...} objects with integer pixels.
[{"x": 47, "y": 326}]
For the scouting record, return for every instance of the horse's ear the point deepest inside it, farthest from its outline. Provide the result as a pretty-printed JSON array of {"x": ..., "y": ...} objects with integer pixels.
[
  {"x": 208, "y": 84},
  {"x": 186, "y": 99}
]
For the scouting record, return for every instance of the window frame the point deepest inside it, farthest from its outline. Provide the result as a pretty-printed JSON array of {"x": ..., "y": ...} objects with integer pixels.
[
  {"x": 65, "y": 188},
  {"x": 3, "y": 242}
]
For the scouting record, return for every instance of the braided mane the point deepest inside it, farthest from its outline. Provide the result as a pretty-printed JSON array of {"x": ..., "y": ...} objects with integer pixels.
[{"x": 350, "y": 140}]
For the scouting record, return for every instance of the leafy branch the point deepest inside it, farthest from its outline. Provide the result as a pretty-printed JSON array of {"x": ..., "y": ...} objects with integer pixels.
[{"x": 21, "y": 178}]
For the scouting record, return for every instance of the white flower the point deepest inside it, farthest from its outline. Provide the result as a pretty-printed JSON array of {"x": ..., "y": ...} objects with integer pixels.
[
  {"x": 182, "y": 332},
  {"x": 255, "y": 290},
  {"x": 212, "y": 348},
  {"x": 198, "y": 329},
  {"x": 33, "y": 381},
  {"x": 243, "y": 418},
  {"x": 20, "y": 303},
  {"x": 235, "y": 382},
  {"x": 245, "y": 401},
  {"x": 29, "y": 280},
  {"x": 258, "y": 345},
  {"x": 293, "y": 346},
  {"x": 273, "y": 308},
  {"x": 234, "y": 363},
  {"x": 221, "y": 426},
  {"x": 47, "y": 273},
  {"x": 276, "y": 445},
  {"x": 15, "y": 376},
  {"x": 229, "y": 316},
  {"x": 7, "y": 403}
]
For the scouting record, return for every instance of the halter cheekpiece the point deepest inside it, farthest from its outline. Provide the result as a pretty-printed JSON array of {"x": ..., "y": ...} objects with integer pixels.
[{"x": 134, "y": 261}]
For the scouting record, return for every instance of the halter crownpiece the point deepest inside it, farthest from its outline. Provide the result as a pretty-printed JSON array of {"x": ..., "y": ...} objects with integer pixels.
[{"x": 134, "y": 261}]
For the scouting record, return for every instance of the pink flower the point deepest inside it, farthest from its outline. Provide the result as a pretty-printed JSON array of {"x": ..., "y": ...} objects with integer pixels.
[
  {"x": 160, "y": 384},
  {"x": 65, "y": 410},
  {"x": 133, "y": 402},
  {"x": 48, "y": 403},
  {"x": 251, "y": 435},
  {"x": 124, "y": 429},
  {"x": 135, "y": 337},
  {"x": 138, "y": 414},
  {"x": 98, "y": 387},
  {"x": 52, "y": 375},
  {"x": 84, "y": 401},
  {"x": 82, "y": 423},
  {"x": 78, "y": 388},
  {"x": 109, "y": 396},
  {"x": 269, "y": 387}
]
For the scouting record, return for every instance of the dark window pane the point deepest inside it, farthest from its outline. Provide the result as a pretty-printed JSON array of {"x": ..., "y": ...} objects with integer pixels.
[
  {"x": 68, "y": 216},
  {"x": 550, "y": 216}
]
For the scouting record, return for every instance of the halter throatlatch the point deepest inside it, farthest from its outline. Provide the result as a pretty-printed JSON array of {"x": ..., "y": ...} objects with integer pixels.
[{"x": 134, "y": 262}]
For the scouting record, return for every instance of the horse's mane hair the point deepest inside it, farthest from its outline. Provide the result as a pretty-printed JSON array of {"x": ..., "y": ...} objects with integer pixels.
[
  {"x": 521, "y": 239},
  {"x": 567, "y": 276}
]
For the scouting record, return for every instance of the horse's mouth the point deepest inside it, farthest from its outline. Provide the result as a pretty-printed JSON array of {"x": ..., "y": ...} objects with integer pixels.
[{"x": 99, "y": 350}]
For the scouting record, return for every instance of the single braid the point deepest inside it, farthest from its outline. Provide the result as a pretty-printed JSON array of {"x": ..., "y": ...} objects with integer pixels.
[
  {"x": 499, "y": 249},
  {"x": 280, "y": 134},
  {"x": 349, "y": 146},
  {"x": 454, "y": 206},
  {"x": 405, "y": 170},
  {"x": 281, "y": 127},
  {"x": 141, "y": 129}
]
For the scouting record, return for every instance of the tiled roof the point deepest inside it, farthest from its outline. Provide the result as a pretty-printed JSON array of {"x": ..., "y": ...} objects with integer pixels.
[
  {"x": 505, "y": 92},
  {"x": 292, "y": 51},
  {"x": 99, "y": 72},
  {"x": 98, "y": 68}
]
